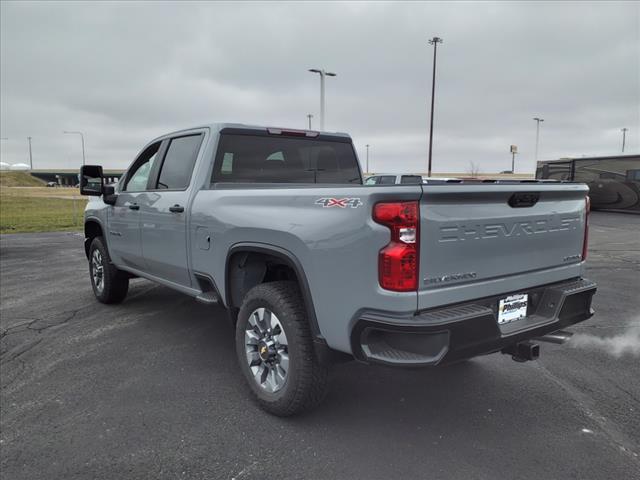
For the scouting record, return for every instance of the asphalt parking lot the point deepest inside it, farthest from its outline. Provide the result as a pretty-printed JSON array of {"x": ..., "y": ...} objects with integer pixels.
[{"x": 150, "y": 389}]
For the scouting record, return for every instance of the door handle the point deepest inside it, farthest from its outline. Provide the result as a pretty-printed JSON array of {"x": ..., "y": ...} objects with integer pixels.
[
  {"x": 134, "y": 206},
  {"x": 176, "y": 208}
]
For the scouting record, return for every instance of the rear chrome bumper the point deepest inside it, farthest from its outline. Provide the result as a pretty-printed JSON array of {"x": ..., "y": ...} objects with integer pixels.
[{"x": 455, "y": 332}]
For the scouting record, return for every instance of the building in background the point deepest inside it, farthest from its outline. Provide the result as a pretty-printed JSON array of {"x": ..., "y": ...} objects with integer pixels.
[{"x": 614, "y": 182}]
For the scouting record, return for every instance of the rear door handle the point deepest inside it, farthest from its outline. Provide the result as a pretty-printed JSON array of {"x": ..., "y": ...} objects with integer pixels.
[
  {"x": 176, "y": 208},
  {"x": 134, "y": 206}
]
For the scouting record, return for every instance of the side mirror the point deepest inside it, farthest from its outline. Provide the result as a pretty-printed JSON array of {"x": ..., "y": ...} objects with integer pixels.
[
  {"x": 91, "y": 180},
  {"x": 110, "y": 196}
]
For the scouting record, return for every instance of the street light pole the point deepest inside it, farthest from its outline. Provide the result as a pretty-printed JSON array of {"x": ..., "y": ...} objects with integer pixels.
[
  {"x": 309, "y": 116},
  {"x": 82, "y": 139},
  {"x": 368, "y": 157},
  {"x": 434, "y": 41},
  {"x": 322, "y": 74},
  {"x": 4, "y": 138},
  {"x": 30, "y": 154},
  {"x": 624, "y": 137},
  {"x": 538, "y": 120}
]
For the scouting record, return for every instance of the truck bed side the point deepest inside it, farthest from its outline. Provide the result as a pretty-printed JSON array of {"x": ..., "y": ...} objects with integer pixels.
[{"x": 336, "y": 246}]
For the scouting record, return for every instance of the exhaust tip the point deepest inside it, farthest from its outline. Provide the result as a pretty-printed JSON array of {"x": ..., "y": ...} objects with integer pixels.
[{"x": 558, "y": 337}]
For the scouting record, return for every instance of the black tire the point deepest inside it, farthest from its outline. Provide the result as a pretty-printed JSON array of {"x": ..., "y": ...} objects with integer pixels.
[
  {"x": 305, "y": 385},
  {"x": 114, "y": 283}
]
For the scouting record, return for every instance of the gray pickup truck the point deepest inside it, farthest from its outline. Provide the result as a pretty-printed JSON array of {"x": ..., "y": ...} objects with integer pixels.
[{"x": 314, "y": 267}]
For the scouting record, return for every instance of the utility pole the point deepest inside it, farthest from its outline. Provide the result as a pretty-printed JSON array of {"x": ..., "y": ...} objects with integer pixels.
[
  {"x": 624, "y": 137},
  {"x": 322, "y": 74},
  {"x": 514, "y": 150},
  {"x": 434, "y": 41},
  {"x": 30, "y": 154},
  {"x": 368, "y": 157},
  {"x": 82, "y": 139},
  {"x": 538, "y": 120},
  {"x": 309, "y": 116}
]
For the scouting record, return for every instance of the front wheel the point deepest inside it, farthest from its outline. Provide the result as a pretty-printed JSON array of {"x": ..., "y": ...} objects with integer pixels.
[
  {"x": 110, "y": 285},
  {"x": 275, "y": 350}
]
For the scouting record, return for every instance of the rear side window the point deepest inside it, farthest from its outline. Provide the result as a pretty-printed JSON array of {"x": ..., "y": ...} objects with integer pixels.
[
  {"x": 280, "y": 159},
  {"x": 386, "y": 180},
  {"x": 179, "y": 160},
  {"x": 411, "y": 179}
]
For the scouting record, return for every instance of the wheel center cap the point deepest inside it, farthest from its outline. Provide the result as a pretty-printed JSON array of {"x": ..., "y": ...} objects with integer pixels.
[{"x": 266, "y": 350}]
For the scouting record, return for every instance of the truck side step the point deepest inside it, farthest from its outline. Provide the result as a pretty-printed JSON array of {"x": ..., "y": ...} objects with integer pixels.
[{"x": 208, "y": 298}]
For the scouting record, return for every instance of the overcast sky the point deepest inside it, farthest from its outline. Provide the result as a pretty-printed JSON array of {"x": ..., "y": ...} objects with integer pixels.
[{"x": 124, "y": 73}]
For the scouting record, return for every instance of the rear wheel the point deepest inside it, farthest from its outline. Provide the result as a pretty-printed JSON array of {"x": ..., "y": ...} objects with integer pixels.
[
  {"x": 275, "y": 350},
  {"x": 110, "y": 285}
]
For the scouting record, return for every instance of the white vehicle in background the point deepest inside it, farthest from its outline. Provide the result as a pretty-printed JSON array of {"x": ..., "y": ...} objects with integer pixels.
[
  {"x": 436, "y": 180},
  {"x": 393, "y": 179},
  {"x": 405, "y": 179}
]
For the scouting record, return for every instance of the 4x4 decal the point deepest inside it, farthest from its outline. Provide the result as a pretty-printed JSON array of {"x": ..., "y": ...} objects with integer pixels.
[{"x": 327, "y": 202}]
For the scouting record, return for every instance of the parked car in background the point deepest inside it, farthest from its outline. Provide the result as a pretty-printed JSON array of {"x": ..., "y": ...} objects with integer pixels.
[
  {"x": 406, "y": 179},
  {"x": 52, "y": 184},
  {"x": 393, "y": 178},
  {"x": 437, "y": 180}
]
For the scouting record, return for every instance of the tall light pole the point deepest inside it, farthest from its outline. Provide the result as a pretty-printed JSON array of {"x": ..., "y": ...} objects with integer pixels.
[
  {"x": 624, "y": 137},
  {"x": 538, "y": 120},
  {"x": 4, "y": 138},
  {"x": 30, "y": 154},
  {"x": 434, "y": 41},
  {"x": 82, "y": 139},
  {"x": 368, "y": 157},
  {"x": 309, "y": 116},
  {"x": 322, "y": 74}
]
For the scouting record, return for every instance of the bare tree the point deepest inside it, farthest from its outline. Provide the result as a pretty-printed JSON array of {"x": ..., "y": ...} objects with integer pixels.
[{"x": 474, "y": 169}]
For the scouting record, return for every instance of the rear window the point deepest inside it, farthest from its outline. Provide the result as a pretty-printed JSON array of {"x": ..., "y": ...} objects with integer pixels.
[{"x": 271, "y": 159}]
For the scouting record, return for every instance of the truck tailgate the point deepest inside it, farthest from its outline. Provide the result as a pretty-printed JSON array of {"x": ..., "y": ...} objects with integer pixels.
[{"x": 483, "y": 239}]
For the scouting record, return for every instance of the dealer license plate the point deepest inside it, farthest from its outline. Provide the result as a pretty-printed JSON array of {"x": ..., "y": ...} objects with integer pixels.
[{"x": 512, "y": 308}]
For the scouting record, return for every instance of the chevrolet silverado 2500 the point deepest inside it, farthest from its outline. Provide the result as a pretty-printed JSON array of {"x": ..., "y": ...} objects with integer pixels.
[{"x": 276, "y": 226}]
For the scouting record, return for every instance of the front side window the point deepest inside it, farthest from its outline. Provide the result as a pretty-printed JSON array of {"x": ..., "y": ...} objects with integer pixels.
[
  {"x": 177, "y": 167},
  {"x": 280, "y": 159},
  {"x": 137, "y": 180}
]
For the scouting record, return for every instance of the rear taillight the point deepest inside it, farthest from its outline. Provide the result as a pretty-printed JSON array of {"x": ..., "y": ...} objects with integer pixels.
[
  {"x": 585, "y": 243},
  {"x": 398, "y": 261}
]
